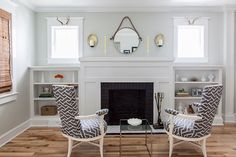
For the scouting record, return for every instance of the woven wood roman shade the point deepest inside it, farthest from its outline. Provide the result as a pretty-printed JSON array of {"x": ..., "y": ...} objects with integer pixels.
[{"x": 5, "y": 52}]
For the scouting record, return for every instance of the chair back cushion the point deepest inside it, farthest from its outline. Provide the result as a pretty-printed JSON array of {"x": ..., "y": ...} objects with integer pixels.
[
  {"x": 207, "y": 109},
  {"x": 68, "y": 108}
]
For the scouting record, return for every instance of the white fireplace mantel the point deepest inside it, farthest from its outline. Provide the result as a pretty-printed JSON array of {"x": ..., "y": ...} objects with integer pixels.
[{"x": 94, "y": 71}]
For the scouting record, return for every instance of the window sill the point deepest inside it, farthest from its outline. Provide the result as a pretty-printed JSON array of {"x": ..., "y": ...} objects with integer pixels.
[{"x": 8, "y": 97}]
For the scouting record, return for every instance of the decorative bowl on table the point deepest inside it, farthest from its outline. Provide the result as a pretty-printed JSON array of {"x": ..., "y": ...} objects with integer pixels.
[{"x": 134, "y": 121}]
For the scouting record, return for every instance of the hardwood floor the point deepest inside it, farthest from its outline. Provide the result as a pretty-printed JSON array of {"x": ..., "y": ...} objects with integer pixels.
[{"x": 48, "y": 142}]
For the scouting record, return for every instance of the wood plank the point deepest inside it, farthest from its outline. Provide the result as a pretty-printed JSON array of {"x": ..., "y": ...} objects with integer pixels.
[{"x": 48, "y": 142}]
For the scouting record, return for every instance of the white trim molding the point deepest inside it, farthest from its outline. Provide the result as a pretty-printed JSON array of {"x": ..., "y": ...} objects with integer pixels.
[
  {"x": 8, "y": 136},
  {"x": 74, "y": 21},
  {"x": 8, "y": 97},
  {"x": 195, "y": 22},
  {"x": 230, "y": 118},
  {"x": 229, "y": 63}
]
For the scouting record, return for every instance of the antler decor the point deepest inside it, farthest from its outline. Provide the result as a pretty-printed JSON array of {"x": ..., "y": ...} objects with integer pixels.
[
  {"x": 192, "y": 22},
  {"x": 66, "y": 23},
  {"x": 126, "y": 17}
]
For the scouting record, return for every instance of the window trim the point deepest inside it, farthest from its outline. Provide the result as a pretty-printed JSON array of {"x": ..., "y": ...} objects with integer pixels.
[
  {"x": 10, "y": 96},
  {"x": 75, "y": 21},
  {"x": 183, "y": 21}
]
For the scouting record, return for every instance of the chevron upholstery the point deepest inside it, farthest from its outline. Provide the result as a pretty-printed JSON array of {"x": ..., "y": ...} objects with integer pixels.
[
  {"x": 68, "y": 109},
  {"x": 206, "y": 109}
]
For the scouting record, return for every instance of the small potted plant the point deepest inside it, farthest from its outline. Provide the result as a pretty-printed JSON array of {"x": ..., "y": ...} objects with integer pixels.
[{"x": 58, "y": 77}]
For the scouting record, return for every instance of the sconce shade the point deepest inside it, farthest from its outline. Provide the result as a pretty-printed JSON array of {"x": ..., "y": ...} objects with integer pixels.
[
  {"x": 159, "y": 40},
  {"x": 92, "y": 40}
]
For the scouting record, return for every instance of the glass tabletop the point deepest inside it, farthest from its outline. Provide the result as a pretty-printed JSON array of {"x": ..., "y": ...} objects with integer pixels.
[{"x": 145, "y": 126}]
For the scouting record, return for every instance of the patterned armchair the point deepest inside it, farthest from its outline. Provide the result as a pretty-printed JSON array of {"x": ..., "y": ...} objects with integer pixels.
[
  {"x": 194, "y": 129},
  {"x": 75, "y": 127}
]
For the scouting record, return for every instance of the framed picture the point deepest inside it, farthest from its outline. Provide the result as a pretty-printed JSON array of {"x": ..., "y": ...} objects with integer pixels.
[
  {"x": 134, "y": 49},
  {"x": 196, "y": 92},
  {"x": 126, "y": 51}
]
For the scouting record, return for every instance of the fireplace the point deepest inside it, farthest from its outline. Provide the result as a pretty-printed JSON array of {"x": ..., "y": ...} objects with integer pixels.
[{"x": 127, "y": 100}]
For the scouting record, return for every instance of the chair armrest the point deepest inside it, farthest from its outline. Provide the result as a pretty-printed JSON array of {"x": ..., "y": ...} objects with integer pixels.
[
  {"x": 171, "y": 111},
  {"x": 102, "y": 112},
  {"x": 93, "y": 116},
  {"x": 196, "y": 104},
  {"x": 189, "y": 117}
]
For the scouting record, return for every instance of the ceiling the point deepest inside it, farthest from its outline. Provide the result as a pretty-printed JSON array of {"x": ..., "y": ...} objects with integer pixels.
[{"x": 46, "y": 4}]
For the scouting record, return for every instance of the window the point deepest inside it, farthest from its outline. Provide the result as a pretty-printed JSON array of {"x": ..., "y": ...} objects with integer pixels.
[
  {"x": 65, "y": 41},
  {"x": 5, "y": 52},
  {"x": 191, "y": 40}
]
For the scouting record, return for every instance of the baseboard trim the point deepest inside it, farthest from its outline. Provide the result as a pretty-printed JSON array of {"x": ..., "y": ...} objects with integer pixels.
[
  {"x": 8, "y": 136},
  {"x": 230, "y": 118},
  {"x": 218, "y": 120}
]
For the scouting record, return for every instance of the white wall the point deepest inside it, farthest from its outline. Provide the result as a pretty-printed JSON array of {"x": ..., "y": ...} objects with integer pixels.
[
  {"x": 14, "y": 113},
  {"x": 147, "y": 24}
]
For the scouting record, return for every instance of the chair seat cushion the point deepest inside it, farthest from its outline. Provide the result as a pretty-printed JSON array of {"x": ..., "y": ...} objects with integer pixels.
[
  {"x": 184, "y": 128},
  {"x": 90, "y": 128}
]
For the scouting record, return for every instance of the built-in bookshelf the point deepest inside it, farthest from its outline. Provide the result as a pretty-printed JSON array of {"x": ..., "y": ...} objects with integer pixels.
[
  {"x": 42, "y": 78},
  {"x": 190, "y": 80}
]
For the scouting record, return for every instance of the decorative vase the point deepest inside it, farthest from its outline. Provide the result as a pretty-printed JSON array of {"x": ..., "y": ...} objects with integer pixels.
[
  {"x": 58, "y": 79},
  {"x": 158, "y": 98}
]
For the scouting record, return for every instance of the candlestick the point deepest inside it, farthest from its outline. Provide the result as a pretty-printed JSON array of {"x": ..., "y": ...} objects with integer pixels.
[
  {"x": 105, "y": 45},
  {"x": 148, "y": 45}
]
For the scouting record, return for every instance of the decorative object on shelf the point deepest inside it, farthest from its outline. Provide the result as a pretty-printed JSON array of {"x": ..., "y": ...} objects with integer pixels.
[
  {"x": 193, "y": 79},
  {"x": 196, "y": 92},
  {"x": 46, "y": 92},
  {"x": 105, "y": 45},
  {"x": 182, "y": 93},
  {"x": 211, "y": 77},
  {"x": 92, "y": 40},
  {"x": 42, "y": 77},
  {"x": 189, "y": 110},
  {"x": 203, "y": 79},
  {"x": 49, "y": 110},
  {"x": 159, "y": 40},
  {"x": 148, "y": 46},
  {"x": 59, "y": 77},
  {"x": 126, "y": 39},
  {"x": 181, "y": 107},
  {"x": 184, "y": 79},
  {"x": 177, "y": 77},
  {"x": 134, "y": 121},
  {"x": 159, "y": 98}
]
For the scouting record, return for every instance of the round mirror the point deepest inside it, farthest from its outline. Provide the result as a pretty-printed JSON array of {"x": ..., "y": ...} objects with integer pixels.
[{"x": 126, "y": 40}]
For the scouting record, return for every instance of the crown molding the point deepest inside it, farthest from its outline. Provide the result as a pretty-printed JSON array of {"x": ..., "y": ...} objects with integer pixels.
[
  {"x": 230, "y": 8},
  {"x": 24, "y": 3},
  {"x": 133, "y": 9}
]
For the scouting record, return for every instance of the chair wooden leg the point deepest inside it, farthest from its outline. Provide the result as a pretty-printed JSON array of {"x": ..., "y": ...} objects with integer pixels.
[
  {"x": 101, "y": 146},
  {"x": 203, "y": 145},
  {"x": 70, "y": 144},
  {"x": 171, "y": 142}
]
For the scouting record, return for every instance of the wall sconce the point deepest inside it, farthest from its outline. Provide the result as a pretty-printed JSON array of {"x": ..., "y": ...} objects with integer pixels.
[
  {"x": 92, "y": 40},
  {"x": 159, "y": 40}
]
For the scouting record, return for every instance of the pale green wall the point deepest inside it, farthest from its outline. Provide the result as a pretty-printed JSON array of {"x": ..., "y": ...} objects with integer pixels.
[
  {"x": 14, "y": 113},
  {"x": 147, "y": 24}
]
